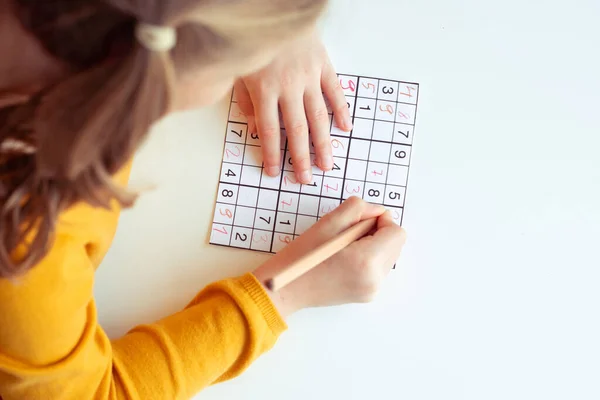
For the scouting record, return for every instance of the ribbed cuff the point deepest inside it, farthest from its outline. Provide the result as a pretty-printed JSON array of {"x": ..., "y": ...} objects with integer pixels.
[{"x": 262, "y": 300}]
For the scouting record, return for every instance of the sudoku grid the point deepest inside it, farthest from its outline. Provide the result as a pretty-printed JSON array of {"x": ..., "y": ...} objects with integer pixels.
[{"x": 258, "y": 212}]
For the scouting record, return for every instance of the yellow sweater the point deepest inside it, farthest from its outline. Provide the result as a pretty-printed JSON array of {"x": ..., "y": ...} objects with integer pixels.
[{"x": 52, "y": 348}]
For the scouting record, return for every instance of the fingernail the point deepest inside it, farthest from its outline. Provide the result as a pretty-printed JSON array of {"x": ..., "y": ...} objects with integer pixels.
[
  {"x": 348, "y": 124},
  {"x": 379, "y": 208},
  {"x": 326, "y": 162},
  {"x": 272, "y": 171},
  {"x": 306, "y": 176}
]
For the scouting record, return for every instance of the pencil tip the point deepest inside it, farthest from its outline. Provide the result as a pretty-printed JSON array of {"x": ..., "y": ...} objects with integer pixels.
[{"x": 269, "y": 284}]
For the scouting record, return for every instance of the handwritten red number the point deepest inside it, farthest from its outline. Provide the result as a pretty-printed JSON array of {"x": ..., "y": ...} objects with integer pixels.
[
  {"x": 369, "y": 86},
  {"x": 284, "y": 203},
  {"x": 378, "y": 173},
  {"x": 351, "y": 85},
  {"x": 409, "y": 94},
  {"x": 388, "y": 109},
  {"x": 223, "y": 231},
  {"x": 402, "y": 115},
  {"x": 231, "y": 153},
  {"x": 337, "y": 187},
  {"x": 336, "y": 144},
  {"x": 227, "y": 213},
  {"x": 357, "y": 190},
  {"x": 261, "y": 239},
  {"x": 285, "y": 239}
]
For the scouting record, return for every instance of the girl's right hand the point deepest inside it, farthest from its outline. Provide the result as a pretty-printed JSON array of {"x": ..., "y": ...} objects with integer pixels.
[{"x": 352, "y": 275}]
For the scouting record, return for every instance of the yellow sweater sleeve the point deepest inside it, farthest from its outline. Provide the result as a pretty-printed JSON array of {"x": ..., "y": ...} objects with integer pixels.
[{"x": 51, "y": 346}]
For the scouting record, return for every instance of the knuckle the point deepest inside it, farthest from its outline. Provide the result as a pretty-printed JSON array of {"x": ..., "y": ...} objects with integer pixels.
[
  {"x": 297, "y": 128},
  {"x": 320, "y": 115},
  {"x": 263, "y": 87},
  {"x": 287, "y": 79},
  {"x": 269, "y": 132}
]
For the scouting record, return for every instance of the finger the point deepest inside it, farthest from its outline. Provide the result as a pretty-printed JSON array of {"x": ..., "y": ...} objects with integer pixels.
[
  {"x": 389, "y": 239},
  {"x": 296, "y": 126},
  {"x": 243, "y": 98},
  {"x": 318, "y": 120},
  {"x": 333, "y": 90},
  {"x": 351, "y": 212},
  {"x": 267, "y": 125}
]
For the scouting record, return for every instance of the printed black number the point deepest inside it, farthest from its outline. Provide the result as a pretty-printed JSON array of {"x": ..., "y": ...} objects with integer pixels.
[
  {"x": 290, "y": 161},
  {"x": 238, "y": 133},
  {"x": 394, "y": 196},
  {"x": 230, "y": 173},
  {"x": 368, "y": 108},
  {"x": 374, "y": 193},
  {"x": 243, "y": 237},
  {"x": 314, "y": 184},
  {"x": 267, "y": 221},
  {"x": 254, "y": 136},
  {"x": 404, "y": 134},
  {"x": 286, "y": 223},
  {"x": 400, "y": 154},
  {"x": 336, "y": 167},
  {"x": 348, "y": 105},
  {"x": 387, "y": 90},
  {"x": 227, "y": 193}
]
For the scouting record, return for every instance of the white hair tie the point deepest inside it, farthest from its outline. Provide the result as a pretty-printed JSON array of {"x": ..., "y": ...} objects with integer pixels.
[{"x": 156, "y": 38}]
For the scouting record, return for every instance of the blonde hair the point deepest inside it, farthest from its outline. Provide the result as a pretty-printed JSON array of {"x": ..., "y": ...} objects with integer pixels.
[{"x": 86, "y": 127}]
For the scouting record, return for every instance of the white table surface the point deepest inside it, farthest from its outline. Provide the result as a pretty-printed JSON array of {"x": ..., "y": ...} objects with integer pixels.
[{"x": 496, "y": 296}]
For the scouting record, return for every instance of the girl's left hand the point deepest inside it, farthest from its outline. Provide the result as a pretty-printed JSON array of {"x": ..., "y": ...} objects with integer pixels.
[{"x": 295, "y": 82}]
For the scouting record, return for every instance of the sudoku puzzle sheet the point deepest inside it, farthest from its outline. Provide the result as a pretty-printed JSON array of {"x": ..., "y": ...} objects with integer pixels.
[{"x": 258, "y": 212}]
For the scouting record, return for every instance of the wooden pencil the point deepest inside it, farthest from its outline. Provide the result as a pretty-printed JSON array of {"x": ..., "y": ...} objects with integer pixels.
[{"x": 320, "y": 254}]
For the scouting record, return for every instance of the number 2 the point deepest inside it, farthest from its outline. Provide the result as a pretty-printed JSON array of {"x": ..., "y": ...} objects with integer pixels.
[
  {"x": 231, "y": 153},
  {"x": 242, "y": 238}
]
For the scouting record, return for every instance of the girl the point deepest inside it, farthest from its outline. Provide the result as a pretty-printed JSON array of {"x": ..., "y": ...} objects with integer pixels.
[{"x": 81, "y": 83}]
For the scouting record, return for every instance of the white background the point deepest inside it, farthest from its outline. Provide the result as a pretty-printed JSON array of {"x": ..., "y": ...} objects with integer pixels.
[{"x": 496, "y": 296}]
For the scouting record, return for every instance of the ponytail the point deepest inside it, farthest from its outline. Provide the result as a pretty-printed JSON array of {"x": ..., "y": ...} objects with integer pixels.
[
  {"x": 83, "y": 130},
  {"x": 67, "y": 142}
]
